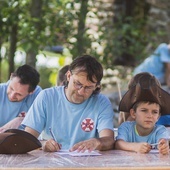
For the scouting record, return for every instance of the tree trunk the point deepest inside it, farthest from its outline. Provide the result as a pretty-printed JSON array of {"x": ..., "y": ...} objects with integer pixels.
[
  {"x": 35, "y": 11},
  {"x": 12, "y": 48},
  {"x": 81, "y": 27}
]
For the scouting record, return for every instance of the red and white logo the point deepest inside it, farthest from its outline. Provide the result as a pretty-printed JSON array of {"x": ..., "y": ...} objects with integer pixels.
[{"x": 87, "y": 124}]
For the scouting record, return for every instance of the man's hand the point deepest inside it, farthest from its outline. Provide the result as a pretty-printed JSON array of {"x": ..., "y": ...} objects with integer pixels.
[
  {"x": 13, "y": 124},
  {"x": 51, "y": 146},
  {"x": 89, "y": 145}
]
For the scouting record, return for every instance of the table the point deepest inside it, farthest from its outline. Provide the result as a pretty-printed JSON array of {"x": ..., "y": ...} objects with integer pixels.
[{"x": 109, "y": 160}]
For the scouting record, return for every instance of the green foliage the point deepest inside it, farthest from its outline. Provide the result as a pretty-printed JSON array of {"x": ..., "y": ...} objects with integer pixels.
[
  {"x": 44, "y": 78},
  {"x": 128, "y": 37},
  {"x": 53, "y": 77},
  {"x": 72, "y": 24},
  {"x": 4, "y": 71}
]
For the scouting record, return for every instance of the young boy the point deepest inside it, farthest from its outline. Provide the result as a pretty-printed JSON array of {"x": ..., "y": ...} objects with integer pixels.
[{"x": 145, "y": 101}]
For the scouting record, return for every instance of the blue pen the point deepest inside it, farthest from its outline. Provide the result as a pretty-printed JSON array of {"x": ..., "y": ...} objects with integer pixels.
[
  {"x": 53, "y": 137},
  {"x": 52, "y": 134}
]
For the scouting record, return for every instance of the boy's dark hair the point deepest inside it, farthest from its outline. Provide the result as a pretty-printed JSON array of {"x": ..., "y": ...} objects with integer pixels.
[
  {"x": 27, "y": 75},
  {"x": 91, "y": 66},
  {"x": 135, "y": 106}
]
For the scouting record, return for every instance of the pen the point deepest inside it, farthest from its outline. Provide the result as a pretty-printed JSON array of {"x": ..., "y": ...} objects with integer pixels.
[
  {"x": 52, "y": 134},
  {"x": 54, "y": 137},
  {"x": 154, "y": 144}
]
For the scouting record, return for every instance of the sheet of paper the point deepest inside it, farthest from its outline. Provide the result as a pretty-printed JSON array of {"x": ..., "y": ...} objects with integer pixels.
[
  {"x": 63, "y": 152},
  {"x": 86, "y": 153},
  {"x": 75, "y": 153},
  {"x": 154, "y": 151}
]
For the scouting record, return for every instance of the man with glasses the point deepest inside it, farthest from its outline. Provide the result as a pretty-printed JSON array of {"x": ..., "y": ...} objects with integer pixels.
[{"x": 74, "y": 116}]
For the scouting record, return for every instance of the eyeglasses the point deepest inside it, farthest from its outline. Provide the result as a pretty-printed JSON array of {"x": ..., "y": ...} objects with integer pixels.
[{"x": 87, "y": 89}]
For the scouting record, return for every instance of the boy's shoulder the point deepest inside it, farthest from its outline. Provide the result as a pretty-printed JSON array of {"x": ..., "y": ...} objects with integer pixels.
[{"x": 128, "y": 124}]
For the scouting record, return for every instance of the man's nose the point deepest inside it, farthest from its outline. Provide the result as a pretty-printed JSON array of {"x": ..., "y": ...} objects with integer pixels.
[
  {"x": 81, "y": 90},
  {"x": 13, "y": 94}
]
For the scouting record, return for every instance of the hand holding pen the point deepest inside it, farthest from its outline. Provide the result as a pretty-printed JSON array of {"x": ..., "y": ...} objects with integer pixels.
[
  {"x": 162, "y": 145},
  {"x": 51, "y": 132},
  {"x": 51, "y": 145}
]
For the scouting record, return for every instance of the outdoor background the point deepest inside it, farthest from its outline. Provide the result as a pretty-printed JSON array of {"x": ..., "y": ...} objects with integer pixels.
[{"x": 49, "y": 34}]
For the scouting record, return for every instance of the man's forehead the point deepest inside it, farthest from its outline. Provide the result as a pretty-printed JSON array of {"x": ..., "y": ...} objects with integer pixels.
[
  {"x": 15, "y": 83},
  {"x": 84, "y": 76}
]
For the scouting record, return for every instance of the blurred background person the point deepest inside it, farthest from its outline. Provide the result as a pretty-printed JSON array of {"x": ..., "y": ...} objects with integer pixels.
[
  {"x": 62, "y": 75},
  {"x": 158, "y": 64}
]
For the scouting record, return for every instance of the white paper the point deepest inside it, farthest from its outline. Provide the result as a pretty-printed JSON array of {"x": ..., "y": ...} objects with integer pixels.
[
  {"x": 154, "y": 151},
  {"x": 86, "y": 153},
  {"x": 75, "y": 153}
]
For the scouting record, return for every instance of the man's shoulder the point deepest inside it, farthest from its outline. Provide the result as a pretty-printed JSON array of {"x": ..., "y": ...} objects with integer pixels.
[
  {"x": 38, "y": 89},
  {"x": 3, "y": 86},
  {"x": 51, "y": 91}
]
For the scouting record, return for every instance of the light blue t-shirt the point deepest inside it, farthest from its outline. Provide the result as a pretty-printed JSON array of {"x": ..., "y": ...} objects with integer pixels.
[
  {"x": 126, "y": 132},
  {"x": 154, "y": 64},
  {"x": 70, "y": 123},
  {"x": 9, "y": 110}
]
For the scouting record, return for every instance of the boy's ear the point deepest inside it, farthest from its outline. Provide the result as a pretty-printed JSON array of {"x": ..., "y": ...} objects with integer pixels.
[{"x": 132, "y": 113}]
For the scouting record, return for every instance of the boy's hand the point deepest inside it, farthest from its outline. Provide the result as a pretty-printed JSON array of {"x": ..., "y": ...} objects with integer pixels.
[
  {"x": 163, "y": 146},
  {"x": 142, "y": 147}
]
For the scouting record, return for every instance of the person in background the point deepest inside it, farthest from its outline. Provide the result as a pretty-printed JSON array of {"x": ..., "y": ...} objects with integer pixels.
[
  {"x": 157, "y": 64},
  {"x": 17, "y": 95},
  {"x": 145, "y": 101},
  {"x": 75, "y": 116},
  {"x": 62, "y": 75}
]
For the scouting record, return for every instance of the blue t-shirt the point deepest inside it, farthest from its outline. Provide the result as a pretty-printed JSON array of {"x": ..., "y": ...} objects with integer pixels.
[
  {"x": 70, "y": 123},
  {"x": 9, "y": 110},
  {"x": 126, "y": 132},
  {"x": 164, "y": 120},
  {"x": 154, "y": 64}
]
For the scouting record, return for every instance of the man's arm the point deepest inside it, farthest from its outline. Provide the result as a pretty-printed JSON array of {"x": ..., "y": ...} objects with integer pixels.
[
  {"x": 32, "y": 131},
  {"x": 106, "y": 138},
  {"x": 13, "y": 124}
]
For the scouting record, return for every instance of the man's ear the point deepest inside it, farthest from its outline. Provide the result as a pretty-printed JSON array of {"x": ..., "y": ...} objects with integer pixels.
[
  {"x": 132, "y": 113},
  {"x": 11, "y": 76},
  {"x": 68, "y": 75}
]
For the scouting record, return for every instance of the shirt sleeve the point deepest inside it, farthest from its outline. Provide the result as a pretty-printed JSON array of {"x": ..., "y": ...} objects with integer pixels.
[{"x": 123, "y": 131}]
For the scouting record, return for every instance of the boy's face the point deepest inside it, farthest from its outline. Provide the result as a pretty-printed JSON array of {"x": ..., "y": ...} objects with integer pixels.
[{"x": 146, "y": 115}]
